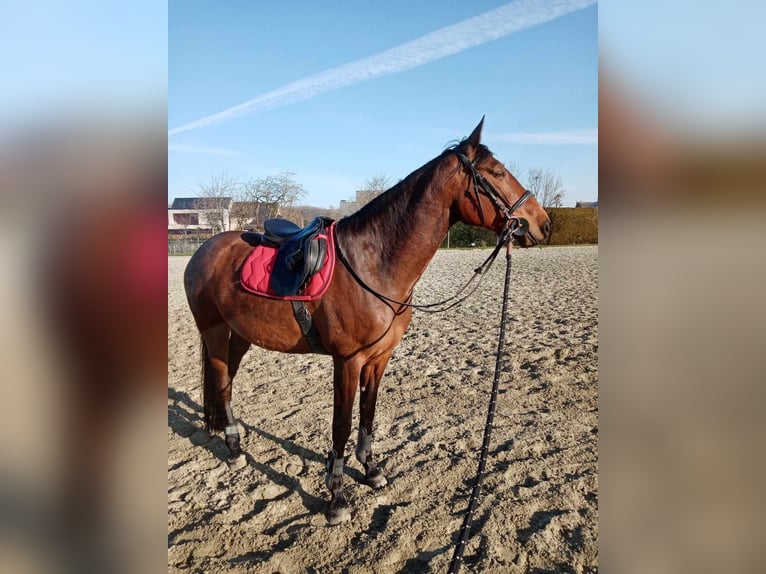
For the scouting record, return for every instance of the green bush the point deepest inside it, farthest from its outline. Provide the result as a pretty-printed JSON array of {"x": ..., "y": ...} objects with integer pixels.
[{"x": 462, "y": 235}]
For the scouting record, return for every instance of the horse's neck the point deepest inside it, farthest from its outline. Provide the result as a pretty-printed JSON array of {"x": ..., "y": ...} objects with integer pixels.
[{"x": 395, "y": 245}]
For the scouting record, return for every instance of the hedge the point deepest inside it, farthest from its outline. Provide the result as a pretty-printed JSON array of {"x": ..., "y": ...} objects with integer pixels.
[
  {"x": 569, "y": 226},
  {"x": 573, "y": 225}
]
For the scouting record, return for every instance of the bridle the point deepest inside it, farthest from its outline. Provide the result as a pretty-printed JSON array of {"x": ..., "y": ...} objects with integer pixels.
[
  {"x": 514, "y": 226},
  {"x": 518, "y": 225}
]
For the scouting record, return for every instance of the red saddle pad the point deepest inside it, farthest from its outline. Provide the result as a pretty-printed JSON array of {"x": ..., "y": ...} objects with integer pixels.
[{"x": 256, "y": 271}]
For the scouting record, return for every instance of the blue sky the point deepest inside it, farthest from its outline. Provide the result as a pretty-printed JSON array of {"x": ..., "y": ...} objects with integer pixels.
[
  {"x": 60, "y": 58},
  {"x": 338, "y": 92}
]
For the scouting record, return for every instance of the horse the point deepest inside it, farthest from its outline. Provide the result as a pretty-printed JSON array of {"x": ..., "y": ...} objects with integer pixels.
[{"x": 385, "y": 246}]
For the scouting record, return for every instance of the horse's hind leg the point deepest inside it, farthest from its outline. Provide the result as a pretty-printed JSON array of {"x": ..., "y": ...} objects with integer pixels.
[
  {"x": 217, "y": 380},
  {"x": 237, "y": 349},
  {"x": 369, "y": 381},
  {"x": 345, "y": 381}
]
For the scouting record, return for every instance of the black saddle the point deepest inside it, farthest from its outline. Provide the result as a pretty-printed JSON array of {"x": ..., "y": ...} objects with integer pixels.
[
  {"x": 281, "y": 231},
  {"x": 301, "y": 253}
]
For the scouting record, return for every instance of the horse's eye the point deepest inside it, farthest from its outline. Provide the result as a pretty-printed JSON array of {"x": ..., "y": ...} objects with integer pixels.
[{"x": 498, "y": 173}]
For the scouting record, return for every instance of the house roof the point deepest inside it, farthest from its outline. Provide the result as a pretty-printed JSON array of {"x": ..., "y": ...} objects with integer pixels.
[
  {"x": 586, "y": 204},
  {"x": 198, "y": 202}
]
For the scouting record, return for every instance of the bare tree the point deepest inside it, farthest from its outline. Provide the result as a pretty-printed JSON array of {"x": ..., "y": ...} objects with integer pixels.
[
  {"x": 269, "y": 196},
  {"x": 546, "y": 186},
  {"x": 241, "y": 211},
  {"x": 513, "y": 168},
  {"x": 217, "y": 196},
  {"x": 370, "y": 189},
  {"x": 377, "y": 183}
]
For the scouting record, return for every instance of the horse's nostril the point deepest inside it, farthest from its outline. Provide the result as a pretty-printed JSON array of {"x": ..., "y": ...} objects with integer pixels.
[{"x": 547, "y": 228}]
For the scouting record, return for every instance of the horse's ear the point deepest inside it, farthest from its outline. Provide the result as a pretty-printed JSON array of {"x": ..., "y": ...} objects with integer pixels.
[{"x": 475, "y": 138}]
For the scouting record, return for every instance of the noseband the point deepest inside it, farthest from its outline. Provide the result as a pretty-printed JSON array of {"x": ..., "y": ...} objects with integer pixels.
[{"x": 518, "y": 225}]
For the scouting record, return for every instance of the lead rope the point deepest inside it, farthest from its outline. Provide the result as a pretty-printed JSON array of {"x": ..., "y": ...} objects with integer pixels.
[{"x": 457, "y": 556}]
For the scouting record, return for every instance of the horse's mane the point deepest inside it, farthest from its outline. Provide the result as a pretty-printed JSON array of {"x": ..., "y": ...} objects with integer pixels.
[
  {"x": 383, "y": 223},
  {"x": 394, "y": 209}
]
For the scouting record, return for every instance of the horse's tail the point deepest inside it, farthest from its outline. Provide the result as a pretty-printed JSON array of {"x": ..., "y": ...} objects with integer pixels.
[{"x": 213, "y": 409}]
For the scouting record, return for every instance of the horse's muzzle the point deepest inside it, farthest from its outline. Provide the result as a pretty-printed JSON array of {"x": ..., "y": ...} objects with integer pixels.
[{"x": 546, "y": 229}]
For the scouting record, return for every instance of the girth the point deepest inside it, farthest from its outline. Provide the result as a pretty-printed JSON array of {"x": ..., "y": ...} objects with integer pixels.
[
  {"x": 301, "y": 254},
  {"x": 305, "y": 322}
]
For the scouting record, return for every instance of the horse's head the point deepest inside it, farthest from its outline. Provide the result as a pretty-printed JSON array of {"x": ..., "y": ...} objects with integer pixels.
[{"x": 489, "y": 195}]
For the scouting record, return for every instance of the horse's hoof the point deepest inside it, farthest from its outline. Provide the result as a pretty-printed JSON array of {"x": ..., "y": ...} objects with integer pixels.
[
  {"x": 337, "y": 515},
  {"x": 237, "y": 462},
  {"x": 375, "y": 479}
]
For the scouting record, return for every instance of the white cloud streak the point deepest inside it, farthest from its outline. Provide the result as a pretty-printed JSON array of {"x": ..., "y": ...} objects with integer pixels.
[
  {"x": 491, "y": 25},
  {"x": 206, "y": 150},
  {"x": 579, "y": 137}
]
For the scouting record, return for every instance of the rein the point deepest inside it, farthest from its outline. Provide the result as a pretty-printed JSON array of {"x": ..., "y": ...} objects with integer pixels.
[
  {"x": 444, "y": 305},
  {"x": 515, "y": 226},
  {"x": 457, "y": 556}
]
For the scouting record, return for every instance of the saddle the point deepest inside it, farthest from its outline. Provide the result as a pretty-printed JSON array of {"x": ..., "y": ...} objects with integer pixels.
[{"x": 302, "y": 252}]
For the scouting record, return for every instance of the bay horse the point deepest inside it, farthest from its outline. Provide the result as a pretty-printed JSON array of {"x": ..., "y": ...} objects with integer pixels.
[{"x": 388, "y": 244}]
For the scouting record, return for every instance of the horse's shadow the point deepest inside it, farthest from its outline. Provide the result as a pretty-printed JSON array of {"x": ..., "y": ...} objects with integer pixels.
[{"x": 185, "y": 418}]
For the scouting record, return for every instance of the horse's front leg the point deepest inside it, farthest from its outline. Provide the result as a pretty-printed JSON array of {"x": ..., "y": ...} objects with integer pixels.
[
  {"x": 345, "y": 381},
  {"x": 372, "y": 373}
]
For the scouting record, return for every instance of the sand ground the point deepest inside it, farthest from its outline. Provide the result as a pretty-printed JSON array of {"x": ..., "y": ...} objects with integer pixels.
[{"x": 539, "y": 504}]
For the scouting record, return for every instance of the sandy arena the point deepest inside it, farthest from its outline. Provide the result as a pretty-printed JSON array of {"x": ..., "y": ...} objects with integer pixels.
[{"x": 539, "y": 504}]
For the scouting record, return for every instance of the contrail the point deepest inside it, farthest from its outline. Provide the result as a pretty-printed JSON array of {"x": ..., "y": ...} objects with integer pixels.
[
  {"x": 502, "y": 21},
  {"x": 579, "y": 137},
  {"x": 202, "y": 149}
]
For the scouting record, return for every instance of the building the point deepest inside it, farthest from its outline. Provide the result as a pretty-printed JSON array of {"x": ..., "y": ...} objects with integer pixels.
[
  {"x": 587, "y": 204},
  {"x": 362, "y": 198},
  {"x": 199, "y": 215},
  {"x": 303, "y": 214}
]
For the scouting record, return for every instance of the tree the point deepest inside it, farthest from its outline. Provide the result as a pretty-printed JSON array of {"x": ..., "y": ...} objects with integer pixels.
[
  {"x": 377, "y": 183},
  {"x": 513, "y": 168},
  {"x": 217, "y": 196},
  {"x": 241, "y": 211},
  {"x": 269, "y": 196},
  {"x": 547, "y": 187},
  {"x": 371, "y": 189}
]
